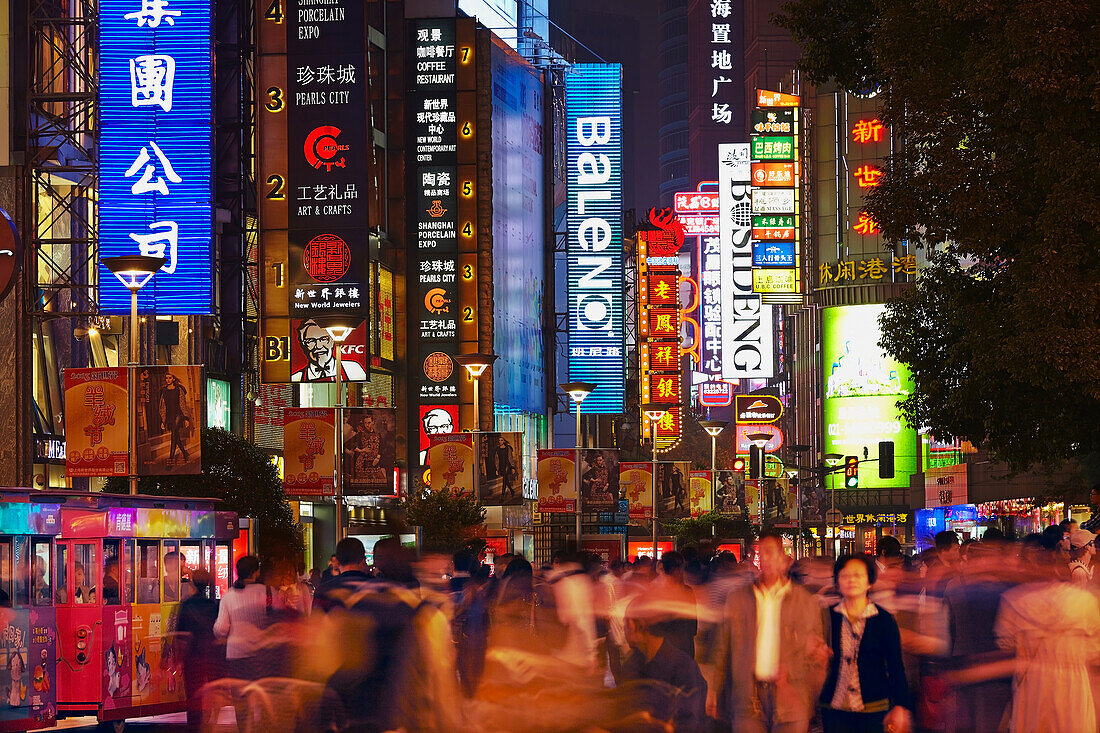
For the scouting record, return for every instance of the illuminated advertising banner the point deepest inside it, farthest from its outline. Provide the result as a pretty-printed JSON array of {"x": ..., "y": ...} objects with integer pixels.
[
  {"x": 701, "y": 491},
  {"x": 696, "y": 202},
  {"x": 500, "y": 469},
  {"x": 777, "y": 265},
  {"x": 636, "y": 484},
  {"x": 557, "y": 479},
  {"x": 97, "y": 422},
  {"x": 155, "y": 150},
  {"x": 747, "y": 324},
  {"x": 862, "y": 388},
  {"x": 169, "y": 404},
  {"x": 452, "y": 463},
  {"x": 673, "y": 479},
  {"x": 600, "y": 480},
  {"x": 773, "y": 254},
  {"x": 370, "y": 450},
  {"x": 217, "y": 404},
  {"x": 700, "y": 226},
  {"x": 309, "y": 451},
  {"x": 328, "y": 157},
  {"x": 593, "y": 110}
]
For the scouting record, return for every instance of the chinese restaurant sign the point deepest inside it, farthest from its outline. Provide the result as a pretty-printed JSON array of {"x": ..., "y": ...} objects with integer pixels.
[{"x": 155, "y": 150}]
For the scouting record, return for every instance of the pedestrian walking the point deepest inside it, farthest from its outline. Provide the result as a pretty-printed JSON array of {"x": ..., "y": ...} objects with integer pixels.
[{"x": 866, "y": 689}]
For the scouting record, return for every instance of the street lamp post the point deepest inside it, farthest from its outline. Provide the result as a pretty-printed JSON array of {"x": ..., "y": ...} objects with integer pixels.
[
  {"x": 832, "y": 460},
  {"x": 760, "y": 440},
  {"x": 792, "y": 474},
  {"x": 134, "y": 272},
  {"x": 577, "y": 391},
  {"x": 654, "y": 415},
  {"x": 339, "y": 329},
  {"x": 714, "y": 429},
  {"x": 475, "y": 365}
]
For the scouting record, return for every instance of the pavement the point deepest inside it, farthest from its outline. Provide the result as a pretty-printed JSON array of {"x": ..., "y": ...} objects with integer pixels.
[{"x": 173, "y": 723}]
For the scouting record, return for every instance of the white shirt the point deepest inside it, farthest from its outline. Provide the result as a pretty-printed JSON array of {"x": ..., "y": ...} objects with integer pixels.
[{"x": 768, "y": 604}]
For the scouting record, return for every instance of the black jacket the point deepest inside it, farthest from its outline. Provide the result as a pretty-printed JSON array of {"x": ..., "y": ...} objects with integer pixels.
[{"x": 881, "y": 672}]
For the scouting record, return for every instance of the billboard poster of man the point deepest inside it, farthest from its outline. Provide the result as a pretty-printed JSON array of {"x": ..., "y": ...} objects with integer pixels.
[
  {"x": 370, "y": 450},
  {"x": 557, "y": 479},
  {"x": 636, "y": 482},
  {"x": 313, "y": 353},
  {"x": 170, "y": 404},
  {"x": 700, "y": 492},
  {"x": 672, "y": 489},
  {"x": 500, "y": 469},
  {"x": 97, "y": 422},
  {"x": 599, "y": 480},
  {"x": 309, "y": 451},
  {"x": 451, "y": 460}
]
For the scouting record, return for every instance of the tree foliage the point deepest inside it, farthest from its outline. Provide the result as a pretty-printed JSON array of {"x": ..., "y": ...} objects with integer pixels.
[
  {"x": 242, "y": 476},
  {"x": 447, "y": 519},
  {"x": 995, "y": 108}
]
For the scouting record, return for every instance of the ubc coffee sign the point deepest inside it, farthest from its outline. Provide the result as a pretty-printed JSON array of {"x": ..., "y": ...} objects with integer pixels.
[{"x": 328, "y": 157}]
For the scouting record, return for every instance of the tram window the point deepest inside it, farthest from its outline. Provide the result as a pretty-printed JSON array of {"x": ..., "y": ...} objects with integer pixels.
[
  {"x": 61, "y": 576},
  {"x": 22, "y": 572},
  {"x": 148, "y": 571},
  {"x": 42, "y": 572},
  {"x": 5, "y": 573},
  {"x": 191, "y": 559},
  {"x": 112, "y": 573},
  {"x": 84, "y": 572},
  {"x": 127, "y": 574}
]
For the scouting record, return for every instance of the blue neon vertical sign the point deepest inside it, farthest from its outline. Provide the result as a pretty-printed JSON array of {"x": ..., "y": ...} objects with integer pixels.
[
  {"x": 594, "y": 220},
  {"x": 155, "y": 150}
]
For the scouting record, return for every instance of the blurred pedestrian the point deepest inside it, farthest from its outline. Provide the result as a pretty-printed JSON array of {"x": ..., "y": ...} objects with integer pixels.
[
  {"x": 1082, "y": 549},
  {"x": 772, "y": 654},
  {"x": 655, "y": 657},
  {"x": 197, "y": 615},
  {"x": 1053, "y": 629},
  {"x": 242, "y": 616},
  {"x": 1092, "y": 524},
  {"x": 866, "y": 689},
  {"x": 677, "y": 617}
]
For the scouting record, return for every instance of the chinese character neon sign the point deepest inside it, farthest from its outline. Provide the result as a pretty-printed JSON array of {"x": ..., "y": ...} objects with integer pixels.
[{"x": 155, "y": 188}]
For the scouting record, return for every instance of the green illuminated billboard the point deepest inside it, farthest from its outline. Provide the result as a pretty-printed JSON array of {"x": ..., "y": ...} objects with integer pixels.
[
  {"x": 217, "y": 404},
  {"x": 862, "y": 388}
]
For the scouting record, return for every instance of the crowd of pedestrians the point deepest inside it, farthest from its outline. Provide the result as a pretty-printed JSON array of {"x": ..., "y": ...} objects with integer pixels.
[{"x": 987, "y": 635}]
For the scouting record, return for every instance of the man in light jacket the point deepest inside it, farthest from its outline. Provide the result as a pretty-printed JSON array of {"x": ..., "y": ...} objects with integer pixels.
[{"x": 772, "y": 653}]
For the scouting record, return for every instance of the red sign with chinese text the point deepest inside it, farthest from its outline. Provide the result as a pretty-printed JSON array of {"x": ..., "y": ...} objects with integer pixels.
[
  {"x": 664, "y": 289},
  {"x": 664, "y": 323},
  {"x": 664, "y": 357},
  {"x": 696, "y": 202},
  {"x": 665, "y": 388},
  {"x": 773, "y": 174}
]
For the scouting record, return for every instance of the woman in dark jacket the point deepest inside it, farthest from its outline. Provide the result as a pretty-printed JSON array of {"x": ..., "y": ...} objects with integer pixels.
[{"x": 865, "y": 689}]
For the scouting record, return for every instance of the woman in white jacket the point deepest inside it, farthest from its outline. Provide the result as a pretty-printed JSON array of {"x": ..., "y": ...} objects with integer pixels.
[{"x": 242, "y": 617}]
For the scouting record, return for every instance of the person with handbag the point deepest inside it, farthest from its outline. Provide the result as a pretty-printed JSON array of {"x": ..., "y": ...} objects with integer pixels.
[
  {"x": 865, "y": 690},
  {"x": 242, "y": 617}
]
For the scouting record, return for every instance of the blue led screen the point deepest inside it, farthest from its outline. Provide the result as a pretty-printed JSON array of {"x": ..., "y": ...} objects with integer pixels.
[
  {"x": 155, "y": 150},
  {"x": 594, "y": 148}
]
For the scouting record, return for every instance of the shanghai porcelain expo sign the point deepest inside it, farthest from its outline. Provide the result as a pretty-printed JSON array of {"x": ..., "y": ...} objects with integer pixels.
[{"x": 155, "y": 150}]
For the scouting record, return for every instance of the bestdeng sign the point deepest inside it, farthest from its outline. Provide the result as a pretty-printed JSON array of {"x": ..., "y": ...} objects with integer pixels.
[
  {"x": 862, "y": 388},
  {"x": 155, "y": 150},
  {"x": 593, "y": 109}
]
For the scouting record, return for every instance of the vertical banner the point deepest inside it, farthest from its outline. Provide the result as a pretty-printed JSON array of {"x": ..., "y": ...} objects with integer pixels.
[
  {"x": 557, "y": 479},
  {"x": 636, "y": 484},
  {"x": 599, "y": 480},
  {"x": 170, "y": 403},
  {"x": 700, "y": 492},
  {"x": 747, "y": 340},
  {"x": 452, "y": 463},
  {"x": 752, "y": 500},
  {"x": 594, "y": 252},
  {"x": 370, "y": 450},
  {"x": 156, "y": 150},
  {"x": 729, "y": 495},
  {"x": 500, "y": 468},
  {"x": 672, "y": 489},
  {"x": 97, "y": 422},
  {"x": 14, "y": 660},
  {"x": 309, "y": 451}
]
